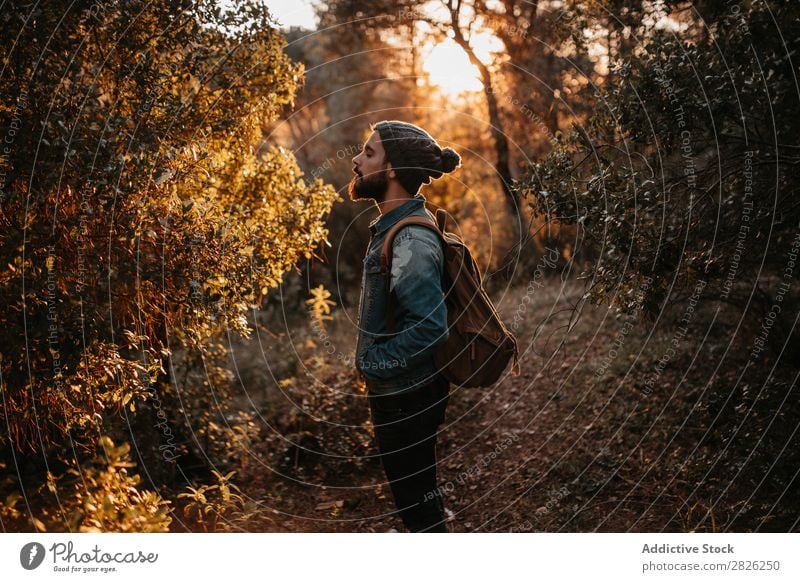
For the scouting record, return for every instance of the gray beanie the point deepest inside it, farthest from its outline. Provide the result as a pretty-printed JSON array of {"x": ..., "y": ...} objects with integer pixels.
[{"x": 414, "y": 154}]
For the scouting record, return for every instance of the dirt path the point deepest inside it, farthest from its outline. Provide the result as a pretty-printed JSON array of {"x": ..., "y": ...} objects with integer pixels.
[{"x": 578, "y": 442}]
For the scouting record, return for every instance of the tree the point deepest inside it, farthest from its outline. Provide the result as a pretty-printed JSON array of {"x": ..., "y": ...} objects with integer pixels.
[
  {"x": 354, "y": 76},
  {"x": 683, "y": 180},
  {"x": 137, "y": 219}
]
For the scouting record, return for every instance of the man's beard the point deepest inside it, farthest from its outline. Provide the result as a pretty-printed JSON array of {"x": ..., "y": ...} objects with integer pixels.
[{"x": 373, "y": 187}]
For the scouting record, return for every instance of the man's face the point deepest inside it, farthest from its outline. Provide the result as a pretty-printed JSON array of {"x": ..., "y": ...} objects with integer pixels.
[{"x": 371, "y": 178}]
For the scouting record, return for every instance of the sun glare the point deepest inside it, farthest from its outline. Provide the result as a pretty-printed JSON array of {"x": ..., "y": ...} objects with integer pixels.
[{"x": 448, "y": 66}]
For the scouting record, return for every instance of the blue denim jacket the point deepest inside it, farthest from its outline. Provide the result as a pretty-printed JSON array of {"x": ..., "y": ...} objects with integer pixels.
[{"x": 403, "y": 361}]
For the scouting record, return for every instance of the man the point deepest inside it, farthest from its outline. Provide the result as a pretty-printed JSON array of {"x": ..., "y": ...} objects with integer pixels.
[{"x": 407, "y": 395}]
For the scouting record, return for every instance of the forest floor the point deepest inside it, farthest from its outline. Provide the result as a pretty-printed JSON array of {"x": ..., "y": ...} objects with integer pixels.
[{"x": 613, "y": 425}]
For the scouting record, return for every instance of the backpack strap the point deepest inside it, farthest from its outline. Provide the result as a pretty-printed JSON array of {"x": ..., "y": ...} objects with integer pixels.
[
  {"x": 441, "y": 218},
  {"x": 386, "y": 254},
  {"x": 515, "y": 367}
]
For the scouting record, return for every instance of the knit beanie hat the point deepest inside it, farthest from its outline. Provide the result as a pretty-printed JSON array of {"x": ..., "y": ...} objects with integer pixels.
[{"x": 414, "y": 154}]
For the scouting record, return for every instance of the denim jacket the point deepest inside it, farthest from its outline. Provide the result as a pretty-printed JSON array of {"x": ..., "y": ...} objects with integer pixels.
[{"x": 402, "y": 361}]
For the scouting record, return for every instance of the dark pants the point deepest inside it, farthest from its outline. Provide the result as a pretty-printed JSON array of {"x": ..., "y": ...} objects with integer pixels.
[{"x": 406, "y": 427}]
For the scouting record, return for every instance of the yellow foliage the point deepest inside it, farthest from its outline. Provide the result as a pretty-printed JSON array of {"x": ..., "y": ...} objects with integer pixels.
[
  {"x": 159, "y": 214},
  {"x": 320, "y": 305}
]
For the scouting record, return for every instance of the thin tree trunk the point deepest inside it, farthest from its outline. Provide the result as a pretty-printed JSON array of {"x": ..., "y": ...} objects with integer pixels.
[
  {"x": 502, "y": 164},
  {"x": 500, "y": 143}
]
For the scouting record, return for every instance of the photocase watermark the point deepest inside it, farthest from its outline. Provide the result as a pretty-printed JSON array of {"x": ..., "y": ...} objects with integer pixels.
[
  {"x": 83, "y": 234},
  {"x": 760, "y": 343},
  {"x": 52, "y": 319},
  {"x": 410, "y": 14},
  {"x": 747, "y": 209},
  {"x": 95, "y": 12},
  {"x": 616, "y": 346},
  {"x": 511, "y": 30},
  {"x": 687, "y": 152},
  {"x": 736, "y": 13},
  {"x": 390, "y": 364},
  {"x": 342, "y": 154},
  {"x": 554, "y": 497},
  {"x": 31, "y": 555},
  {"x": 510, "y": 101},
  {"x": 548, "y": 260},
  {"x": 473, "y": 470},
  {"x": 8, "y": 141},
  {"x": 169, "y": 450},
  {"x": 619, "y": 339},
  {"x": 677, "y": 338},
  {"x": 66, "y": 559},
  {"x": 195, "y": 291},
  {"x": 318, "y": 329}
]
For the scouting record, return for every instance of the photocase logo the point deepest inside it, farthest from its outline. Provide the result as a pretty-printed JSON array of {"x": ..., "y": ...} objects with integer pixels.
[{"x": 32, "y": 555}]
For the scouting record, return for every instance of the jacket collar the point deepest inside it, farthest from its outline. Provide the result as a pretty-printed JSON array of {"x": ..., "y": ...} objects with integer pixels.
[{"x": 385, "y": 221}]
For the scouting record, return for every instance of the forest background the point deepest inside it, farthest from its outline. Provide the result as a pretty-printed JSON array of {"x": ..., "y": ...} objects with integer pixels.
[{"x": 181, "y": 265}]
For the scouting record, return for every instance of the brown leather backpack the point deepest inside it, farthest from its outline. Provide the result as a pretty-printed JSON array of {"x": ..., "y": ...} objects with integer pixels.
[{"x": 479, "y": 346}]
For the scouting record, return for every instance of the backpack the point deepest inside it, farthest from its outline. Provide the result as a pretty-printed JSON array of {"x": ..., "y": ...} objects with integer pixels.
[{"x": 479, "y": 346}]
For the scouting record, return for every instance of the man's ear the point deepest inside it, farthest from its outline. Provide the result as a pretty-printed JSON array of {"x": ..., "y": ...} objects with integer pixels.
[{"x": 390, "y": 171}]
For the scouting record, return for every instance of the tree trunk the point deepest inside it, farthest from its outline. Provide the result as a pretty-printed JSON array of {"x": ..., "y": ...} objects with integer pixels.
[{"x": 502, "y": 164}]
